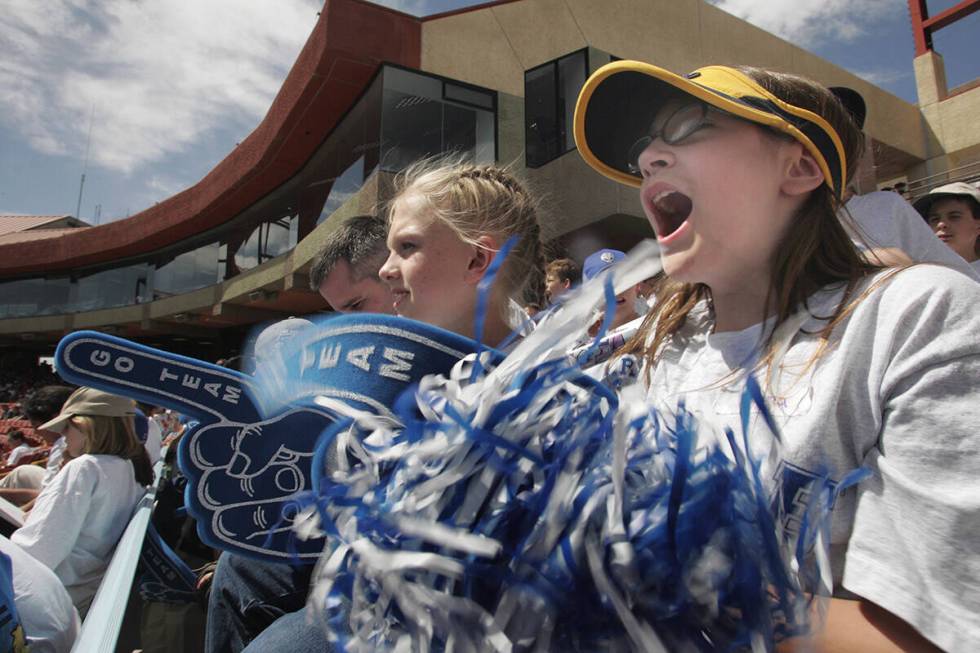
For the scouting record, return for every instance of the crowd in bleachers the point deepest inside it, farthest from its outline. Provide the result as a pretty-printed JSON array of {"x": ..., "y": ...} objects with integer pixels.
[
  {"x": 87, "y": 463},
  {"x": 19, "y": 375}
]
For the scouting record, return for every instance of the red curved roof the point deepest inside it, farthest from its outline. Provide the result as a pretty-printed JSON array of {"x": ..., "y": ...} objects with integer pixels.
[{"x": 350, "y": 40}]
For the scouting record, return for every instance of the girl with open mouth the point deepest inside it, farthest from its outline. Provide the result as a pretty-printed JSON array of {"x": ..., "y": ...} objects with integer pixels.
[{"x": 740, "y": 173}]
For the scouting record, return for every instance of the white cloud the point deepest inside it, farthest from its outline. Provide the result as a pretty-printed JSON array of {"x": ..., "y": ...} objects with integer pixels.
[
  {"x": 882, "y": 77},
  {"x": 163, "y": 186},
  {"x": 160, "y": 75},
  {"x": 809, "y": 23}
]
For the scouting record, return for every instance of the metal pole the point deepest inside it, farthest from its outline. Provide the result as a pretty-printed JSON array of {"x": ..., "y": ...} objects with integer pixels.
[{"x": 81, "y": 184}]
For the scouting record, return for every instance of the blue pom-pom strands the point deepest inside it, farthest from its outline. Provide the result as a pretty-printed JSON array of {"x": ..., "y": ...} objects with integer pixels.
[{"x": 528, "y": 506}]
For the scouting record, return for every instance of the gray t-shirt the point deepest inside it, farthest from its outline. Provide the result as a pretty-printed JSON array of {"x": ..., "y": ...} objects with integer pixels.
[{"x": 895, "y": 391}]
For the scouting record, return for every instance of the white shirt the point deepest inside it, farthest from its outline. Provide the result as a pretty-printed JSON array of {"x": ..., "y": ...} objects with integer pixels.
[
  {"x": 896, "y": 391},
  {"x": 886, "y": 219},
  {"x": 54, "y": 461},
  {"x": 17, "y": 453},
  {"x": 78, "y": 519},
  {"x": 154, "y": 441},
  {"x": 49, "y": 619}
]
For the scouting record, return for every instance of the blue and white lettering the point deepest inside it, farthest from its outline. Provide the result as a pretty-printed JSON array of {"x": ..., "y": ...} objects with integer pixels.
[
  {"x": 359, "y": 357},
  {"x": 100, "y": 358},
  {"x": 400, "y": 362}
]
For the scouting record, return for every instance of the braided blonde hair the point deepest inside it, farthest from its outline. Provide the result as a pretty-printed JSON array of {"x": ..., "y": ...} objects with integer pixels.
[{"x": 482, "y": 200}]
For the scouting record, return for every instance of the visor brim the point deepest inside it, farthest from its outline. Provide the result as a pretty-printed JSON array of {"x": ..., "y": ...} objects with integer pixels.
[
  {"x": 56, "y": 425},
  {"x": 618, "y": 102}
]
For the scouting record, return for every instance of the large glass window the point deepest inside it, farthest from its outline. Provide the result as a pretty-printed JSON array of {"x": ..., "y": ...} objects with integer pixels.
[
  {"x": 109, "y": 288},
  {"x": 188, "y": 271},
  {"x": 344, "y": 187},
  {"x": 550, "y": 92},
  {"x": 423, "y": 115},
  {"x": 30, "y": 297},
  {"x": 267, "y": 241}
]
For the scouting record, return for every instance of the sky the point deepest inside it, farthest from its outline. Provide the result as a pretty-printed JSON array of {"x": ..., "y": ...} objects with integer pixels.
[{"x": 145, "y": 98}]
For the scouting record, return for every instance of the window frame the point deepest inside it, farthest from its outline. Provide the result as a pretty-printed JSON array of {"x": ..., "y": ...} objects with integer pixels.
[{"x": 559, "y": 108}]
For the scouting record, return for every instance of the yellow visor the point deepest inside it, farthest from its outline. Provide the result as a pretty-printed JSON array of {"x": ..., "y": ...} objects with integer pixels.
[{"x": 619, "y": 101}]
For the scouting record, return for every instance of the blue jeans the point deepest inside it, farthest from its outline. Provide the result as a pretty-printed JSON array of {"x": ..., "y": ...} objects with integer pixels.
[
  {"x": 291, "y": 632},
  {"x": 248, "y": 596}
]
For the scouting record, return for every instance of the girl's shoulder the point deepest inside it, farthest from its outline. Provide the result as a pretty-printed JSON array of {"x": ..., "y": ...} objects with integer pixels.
[
  {"x": 89, "y": 463},
  {"x": 82, "y": 462},
  {"x": 82, "y": 471},
  {"x": 923, "y": 286},
  {"x": 902, "y": 289},
  {"x": 918, "y": 304}
]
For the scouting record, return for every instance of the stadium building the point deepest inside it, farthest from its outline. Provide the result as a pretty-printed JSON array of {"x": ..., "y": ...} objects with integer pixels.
[{"x": 374, "y": 89}]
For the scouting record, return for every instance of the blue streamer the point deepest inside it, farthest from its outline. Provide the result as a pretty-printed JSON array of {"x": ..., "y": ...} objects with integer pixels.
[
  {"x": 467, "y": 525},
  {"x": 483, "y": 299}
]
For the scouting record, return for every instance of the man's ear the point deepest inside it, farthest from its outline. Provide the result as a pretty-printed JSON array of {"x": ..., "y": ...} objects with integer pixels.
[
  {"x": 802, "y": 172},
  {"x": 566, "y": 284},
  {"x": 484, "y": 252}
]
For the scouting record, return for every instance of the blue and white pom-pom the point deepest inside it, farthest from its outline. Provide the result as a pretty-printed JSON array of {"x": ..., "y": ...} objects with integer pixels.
[{"x": 529, "y": 506}]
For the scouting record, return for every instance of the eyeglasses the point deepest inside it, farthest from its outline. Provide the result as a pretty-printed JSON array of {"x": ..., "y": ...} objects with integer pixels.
[{"x": 681, "y": 123}]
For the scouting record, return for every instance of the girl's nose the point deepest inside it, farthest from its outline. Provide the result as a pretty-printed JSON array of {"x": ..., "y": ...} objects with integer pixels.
[
  {"x": 388, "y": 271},
  {"x": 655, "y": 156}
]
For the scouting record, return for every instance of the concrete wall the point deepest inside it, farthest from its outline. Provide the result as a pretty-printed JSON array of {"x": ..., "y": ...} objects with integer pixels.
[
  {"x": 952, "y": 117},
  {"x": 493, "y": 47}
]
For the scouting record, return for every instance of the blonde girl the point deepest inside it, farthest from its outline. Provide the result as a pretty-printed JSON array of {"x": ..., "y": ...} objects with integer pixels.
[
  {"x": 447, "y": 223},
  {"x": 740, "y": 172},
  {"x": 448, "y": 220},
  {"x": 79, "y": 517}
]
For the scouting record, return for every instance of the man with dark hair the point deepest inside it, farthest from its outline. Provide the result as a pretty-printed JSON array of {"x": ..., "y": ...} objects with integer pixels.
[
  {"x": 45, "y": 403},
  {"x": 953, "y": 213},
  {"x": 248, "y": 595},
  {"x": 559, "y": 276},
  {"x": 22, "y": 485},
  {"x": 345, "y": 271}
]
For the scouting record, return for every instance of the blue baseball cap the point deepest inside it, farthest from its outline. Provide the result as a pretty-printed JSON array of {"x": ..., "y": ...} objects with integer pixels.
[{"x": 599, "y": 261}]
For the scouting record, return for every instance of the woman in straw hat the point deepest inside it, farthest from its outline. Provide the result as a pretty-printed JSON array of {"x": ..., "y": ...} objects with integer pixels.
[{"x": 79, "y": 517}]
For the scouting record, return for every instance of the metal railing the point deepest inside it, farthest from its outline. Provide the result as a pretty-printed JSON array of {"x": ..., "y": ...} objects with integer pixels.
[{"x": 969, "y": 173}]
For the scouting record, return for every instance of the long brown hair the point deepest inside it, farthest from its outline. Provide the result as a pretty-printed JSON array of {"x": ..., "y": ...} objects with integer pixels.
[
  {"x": 115, "y": 436},
  {"x": 815, "y": 252}
]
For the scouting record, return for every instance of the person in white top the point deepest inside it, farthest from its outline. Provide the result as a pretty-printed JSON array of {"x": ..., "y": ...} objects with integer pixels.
[
  {"x": 886, "y": 221},
  {"x": 21, "y": 486},
  {"x": 741, "y": 173},
  {"x": 953, "y": 213},
  {"x": 49, "y": 619},
  {"x": 19, "y": 447},
  {"x": 153, "y": 443},
  {"x": 79, "y": 517},
  {"x": 882, "y": 223}
]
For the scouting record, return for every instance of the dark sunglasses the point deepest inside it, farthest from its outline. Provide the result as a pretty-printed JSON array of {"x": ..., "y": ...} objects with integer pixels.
[{"x": 681, "y": 123}]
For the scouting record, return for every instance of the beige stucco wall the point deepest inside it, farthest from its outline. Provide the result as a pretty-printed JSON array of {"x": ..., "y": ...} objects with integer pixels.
[
  {"x": 954, "y": 119},
  {"x": 951, "y": 119},
  {"x": 493, "y": 47}
]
